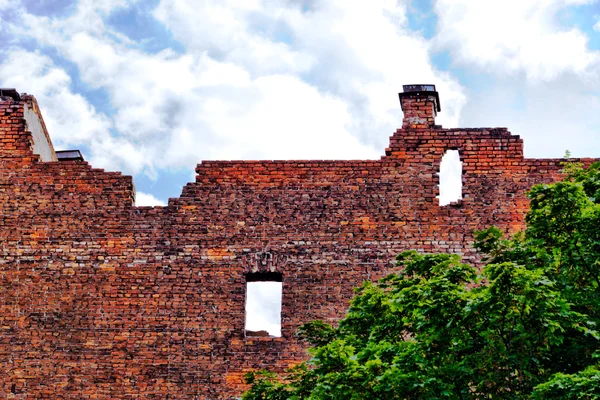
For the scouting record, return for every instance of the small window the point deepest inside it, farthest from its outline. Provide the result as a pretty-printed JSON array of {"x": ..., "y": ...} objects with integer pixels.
[
  {"x": 263, "y": 304},
  {"x": 450, "y": 178}
]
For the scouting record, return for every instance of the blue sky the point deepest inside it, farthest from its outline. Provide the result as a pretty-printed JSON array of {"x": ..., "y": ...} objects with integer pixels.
[{"x": 151, "y": 88}]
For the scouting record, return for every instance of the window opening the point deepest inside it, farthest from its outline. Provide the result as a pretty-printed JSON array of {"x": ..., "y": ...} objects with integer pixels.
[
  {"x": 450, "y": 178},
  {"x": 263, "y": 304}
]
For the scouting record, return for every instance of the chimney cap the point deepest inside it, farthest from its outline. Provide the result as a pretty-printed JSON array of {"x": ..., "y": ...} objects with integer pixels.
[
  {"x": 69, "y": 155},
  {"x": 8, "y": 92},
  {"x": 417, "y": 90}
]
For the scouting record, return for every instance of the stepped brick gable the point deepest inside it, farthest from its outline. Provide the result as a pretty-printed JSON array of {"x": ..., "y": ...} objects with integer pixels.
[{"x": 100, "y": 299}]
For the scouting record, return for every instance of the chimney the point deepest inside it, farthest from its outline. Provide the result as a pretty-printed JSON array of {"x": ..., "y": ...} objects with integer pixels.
[
  {"x": 5, "y": 94},
  {"x": 420, "y": 104}
]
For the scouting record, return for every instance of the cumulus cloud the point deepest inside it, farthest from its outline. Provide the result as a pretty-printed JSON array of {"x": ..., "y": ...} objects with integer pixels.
[
  {"x": 293, "y": 80},
  {"x": 5, "y": 4},
  {"x": 450, "y": 178},
  {"x": 543, "y": 78},
  {"x": 359, "y": 52},
  {"x": 146, "y": 199},
  {"x": 258, "y": 79},
  {"x": 263, "y": 307},
  {"x": 69, "y": 116},
  {"x": 563, "y": 114},
  {"x": 71, "y": 120},
  {"x": 513, "y": 36},
  {"x": 250, "y": 33}
]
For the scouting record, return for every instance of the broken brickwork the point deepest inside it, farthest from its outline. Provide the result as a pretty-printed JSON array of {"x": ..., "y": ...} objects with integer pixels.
[{"x": 100, "y": 299}]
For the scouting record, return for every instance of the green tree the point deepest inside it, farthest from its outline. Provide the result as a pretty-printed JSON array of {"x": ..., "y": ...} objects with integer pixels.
[{"x": 524, "y": 326}]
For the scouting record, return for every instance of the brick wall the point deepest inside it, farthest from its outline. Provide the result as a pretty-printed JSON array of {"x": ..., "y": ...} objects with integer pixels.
[{"x": 103, "y": 300}]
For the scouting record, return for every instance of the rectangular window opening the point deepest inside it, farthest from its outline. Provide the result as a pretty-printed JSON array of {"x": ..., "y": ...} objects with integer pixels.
[
  {"x": 450, "y": 178},
  {"x": 263, "y": 304}
]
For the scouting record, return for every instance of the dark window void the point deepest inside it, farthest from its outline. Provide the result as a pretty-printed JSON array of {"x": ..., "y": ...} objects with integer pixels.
[
  {"x": 264, "y": 277},
  {"x": 450, "y": 178},
  {"x": 263, "y": 304}
]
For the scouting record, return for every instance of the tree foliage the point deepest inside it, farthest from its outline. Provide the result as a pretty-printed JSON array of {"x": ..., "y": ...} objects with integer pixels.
[{"x": 523, "y": 326}]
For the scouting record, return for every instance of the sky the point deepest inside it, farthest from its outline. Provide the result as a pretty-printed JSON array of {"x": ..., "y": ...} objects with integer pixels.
[
  {"x": 263, "y": 307},
  {"x": 153, "y": 87}
]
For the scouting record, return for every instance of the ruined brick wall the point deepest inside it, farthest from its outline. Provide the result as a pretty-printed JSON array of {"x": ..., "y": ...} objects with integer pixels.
[{"x": 103, "y": 300}]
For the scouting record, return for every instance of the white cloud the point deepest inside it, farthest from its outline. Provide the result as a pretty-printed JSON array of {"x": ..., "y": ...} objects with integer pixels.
[
  {"x": 361, "y": 53},
  {"x": 513, "y": 36},
  {"x": 71, "y": 120},
  {"x": 269, "y": 122},
  {"x": 7, "y": 4},
  {"x": 263, "y": 79},
  {"x": 543, "y": 79},
  {"x": 69, "y": 116},
  {"x": 259, "y": 79},
  {"x": 146, "y": 199},
  {"x": 563, "y": 114},
  {"x": 450, "y": 176},
  {"x": 263, "y": 307},
  {"x": 234, "y": 31},
  {"x": 597, "y": 26}
]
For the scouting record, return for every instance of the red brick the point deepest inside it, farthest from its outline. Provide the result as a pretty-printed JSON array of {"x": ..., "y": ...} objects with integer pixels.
[{"x": 100, "y": 299}]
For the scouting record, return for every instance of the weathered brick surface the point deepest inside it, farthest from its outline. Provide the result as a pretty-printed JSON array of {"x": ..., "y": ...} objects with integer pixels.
[{"x": 103, "y": 300}]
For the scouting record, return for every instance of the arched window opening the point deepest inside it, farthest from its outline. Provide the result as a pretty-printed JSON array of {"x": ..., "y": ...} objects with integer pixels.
[
  {"x": 450, "y": 178},
  {"x": 263, "y": 304}
]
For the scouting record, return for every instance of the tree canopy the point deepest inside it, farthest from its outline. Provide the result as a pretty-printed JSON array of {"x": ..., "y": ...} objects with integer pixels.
[{"x": 523, "y": 326}]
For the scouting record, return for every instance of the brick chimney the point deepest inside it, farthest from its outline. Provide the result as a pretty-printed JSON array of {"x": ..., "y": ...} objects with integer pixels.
[{"x": 420, "y": 104}]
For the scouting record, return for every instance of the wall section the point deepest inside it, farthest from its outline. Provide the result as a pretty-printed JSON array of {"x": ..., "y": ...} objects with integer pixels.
[{"x": 103, "y": 300}]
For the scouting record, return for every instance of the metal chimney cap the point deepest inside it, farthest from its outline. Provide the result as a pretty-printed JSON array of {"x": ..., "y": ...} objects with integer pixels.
[
  {"x": 418, "y": 88},
  {"x": 12, "y": 93},
  {"x": 69, "y": 155}
]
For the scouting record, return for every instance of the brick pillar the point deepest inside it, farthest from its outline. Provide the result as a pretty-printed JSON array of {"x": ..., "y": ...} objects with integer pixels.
[
  {"x": 15, "y": 141},
  {"x": 420, "y": 104},
  {"x": 22, "y": 129}
]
